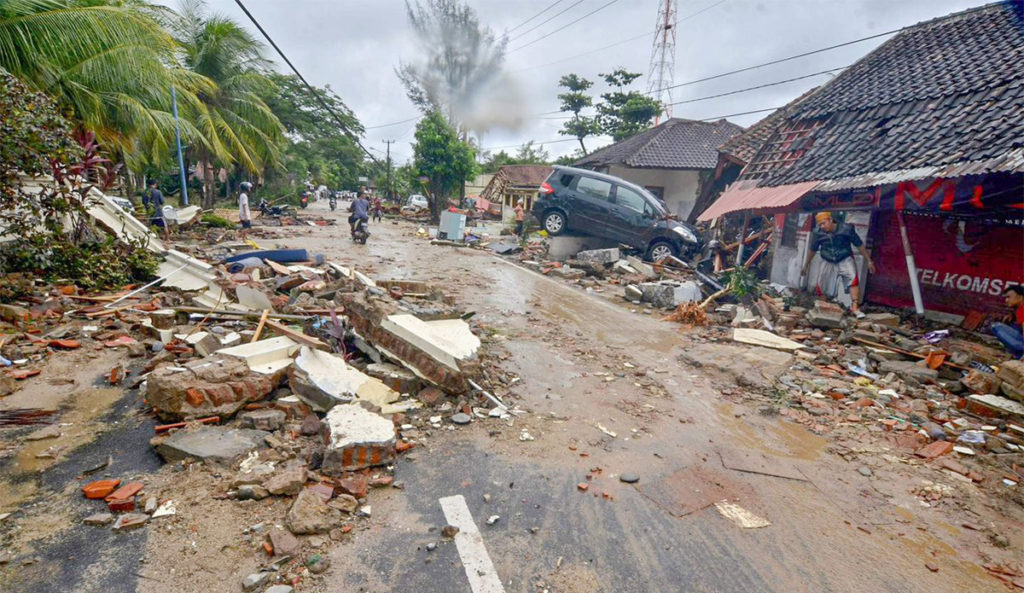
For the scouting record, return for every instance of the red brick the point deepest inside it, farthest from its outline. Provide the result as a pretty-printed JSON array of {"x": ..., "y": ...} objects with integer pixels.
[
  {"x": 325, "y": 491},
  {"x": 194, "y": 397},
  {"x": 404, "y": 446},
  {"x": 121, "y": 505},
  {"x": 127, "y": 491},
  {"x": 100, "y": 488},
  {"x": 864, "y": 402},
  {"x": 353, "y": 484},
  {"x": 583, "y": 486},
  {"x": 936, "y": 449}
]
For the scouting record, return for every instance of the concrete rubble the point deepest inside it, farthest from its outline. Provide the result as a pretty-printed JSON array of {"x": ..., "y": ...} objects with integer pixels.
[{"x": 323, "y": 380}]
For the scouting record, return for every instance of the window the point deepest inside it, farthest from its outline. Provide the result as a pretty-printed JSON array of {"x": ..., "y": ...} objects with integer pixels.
[
  {"x": 789, "y": 229},
  {"x": 566, "y": 180},
  {"x": 595, "y": 188},
  {"x": 658, "y": 191},
  {"x": 630, "y": 199}
]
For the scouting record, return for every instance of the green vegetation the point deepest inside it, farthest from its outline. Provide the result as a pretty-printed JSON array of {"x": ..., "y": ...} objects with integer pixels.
[
  {"x": 620, "y": 114},
  {"x": 444, "y": 160}
]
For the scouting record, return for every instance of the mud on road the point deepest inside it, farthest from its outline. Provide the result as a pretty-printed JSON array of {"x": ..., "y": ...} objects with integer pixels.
[{"x": 604, "y": 391}]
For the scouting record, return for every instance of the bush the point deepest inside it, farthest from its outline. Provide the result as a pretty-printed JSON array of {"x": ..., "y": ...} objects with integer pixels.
[
  {"x": 93, "y": 265},
  {"x": 212, "y": 220}
]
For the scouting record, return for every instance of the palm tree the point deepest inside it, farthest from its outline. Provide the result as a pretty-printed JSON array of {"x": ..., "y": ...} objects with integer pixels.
[
  {"x": 236, "y": 123},
  {"x": 105, "y": 63}
]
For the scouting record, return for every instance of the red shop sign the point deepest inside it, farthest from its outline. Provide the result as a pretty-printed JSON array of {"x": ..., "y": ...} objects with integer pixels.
[{"x": 961, "y": 265}]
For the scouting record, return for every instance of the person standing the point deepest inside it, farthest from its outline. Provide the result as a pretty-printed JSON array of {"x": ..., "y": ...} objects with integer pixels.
[
  {"x": 834, "y": 243},
  {"x": 244, "y": 215},
  {"x": 519, "y": 218},
  {"x": 378, "y": 209},
  {"x": 153, "y": 202},
  {"x": 1011, "y": 333}
]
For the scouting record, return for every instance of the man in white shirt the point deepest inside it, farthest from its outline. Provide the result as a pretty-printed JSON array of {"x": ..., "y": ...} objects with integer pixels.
[{"x": 244, "y": 215}]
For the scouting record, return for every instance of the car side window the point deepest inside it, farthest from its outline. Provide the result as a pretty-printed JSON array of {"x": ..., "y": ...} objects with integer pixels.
[
  {"x": 595, "y": 188},
  {"x": 566, "y": 180},
  {"x": 630, "y": 199}
]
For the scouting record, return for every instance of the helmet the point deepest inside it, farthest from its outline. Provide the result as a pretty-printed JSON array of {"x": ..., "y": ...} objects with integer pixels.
[{"x": 246, "y": 186}]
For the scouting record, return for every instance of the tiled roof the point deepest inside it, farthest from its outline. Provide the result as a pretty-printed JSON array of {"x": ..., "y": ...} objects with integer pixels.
[
  {"x": 744, "y": 146},
  {"x": 525, "y": 174},
  {"x": 675, "y": 144},
  {"x": 941, "y": 92}
]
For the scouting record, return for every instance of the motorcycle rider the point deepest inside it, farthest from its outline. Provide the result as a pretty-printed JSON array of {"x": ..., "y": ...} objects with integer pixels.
[
  {"x": 333, "y": 202},
  {"x": 360, "y": 209}
]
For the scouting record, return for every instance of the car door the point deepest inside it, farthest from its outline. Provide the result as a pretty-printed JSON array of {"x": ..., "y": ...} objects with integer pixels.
[
  {"x": 629, "y": 222},
  {"x": 591, "y": 207}
]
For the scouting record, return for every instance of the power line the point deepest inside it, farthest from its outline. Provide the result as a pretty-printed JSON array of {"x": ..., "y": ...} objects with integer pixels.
[
  {"x": 320, "y": 99},
  {"x": 394, "y": 123},
  {"x": 550, "y": 6},
  {"x": 779, "y": 61},
  {"x": 563, "y": 27},
  {"x": 740, "y": 113},
  {"x": 547, "y": 20},
  {"x": 760, "y": 86}
]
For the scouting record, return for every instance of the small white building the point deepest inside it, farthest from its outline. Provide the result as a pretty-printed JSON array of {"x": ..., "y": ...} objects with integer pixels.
[{"x": 673, "y": 160}]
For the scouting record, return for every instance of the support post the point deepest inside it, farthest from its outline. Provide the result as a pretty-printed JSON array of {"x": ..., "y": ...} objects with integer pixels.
[
  {"x": 915, "y": 286},
  {"x": 177, "y": 138},
  {"x": 743, "y": 235}
]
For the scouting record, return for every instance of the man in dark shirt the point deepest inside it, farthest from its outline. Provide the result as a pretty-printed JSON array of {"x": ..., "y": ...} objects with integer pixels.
[
  {"x": 153, "y": 201},
  {"x": 1012, "y": 334},
  {"x": 360, "y": 210},
  {"x": 835, "y": 243}
]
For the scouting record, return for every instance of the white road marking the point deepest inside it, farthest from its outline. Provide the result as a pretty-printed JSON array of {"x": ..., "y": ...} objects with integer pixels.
[{"x": 479, "y": 568}]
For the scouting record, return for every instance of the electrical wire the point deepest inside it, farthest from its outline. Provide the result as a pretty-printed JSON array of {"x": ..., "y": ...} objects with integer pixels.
[
  {"x": 760, "y": 86},
  {"x": 563, "y": 27},
  {"x": 394, "y": 123},
  {"x": 548, "y": 20},
  {"x": 550, "y": 6},
  {"x": 337, "y": 118}
]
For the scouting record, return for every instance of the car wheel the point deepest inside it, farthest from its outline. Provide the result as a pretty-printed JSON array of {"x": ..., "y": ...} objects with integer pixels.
[
  {"x": 659, "y": 250},
  {"x": 554, "y": 222}
]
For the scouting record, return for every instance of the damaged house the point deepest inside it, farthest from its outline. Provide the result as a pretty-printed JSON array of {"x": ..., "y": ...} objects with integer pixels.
[
  {"x": 920, "y": 146},
  {"x": 515, "y": 182},
  {"x": 675, "y": 160}
]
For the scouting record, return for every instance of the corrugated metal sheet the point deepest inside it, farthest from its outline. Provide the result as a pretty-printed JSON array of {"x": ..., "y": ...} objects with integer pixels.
[
  {"x": 1010, "y": 162},
  {"x": 736, "y": 199}
]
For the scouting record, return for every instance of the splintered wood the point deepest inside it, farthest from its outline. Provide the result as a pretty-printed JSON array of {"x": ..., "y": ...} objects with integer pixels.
[{"x": 688, "y": 313}]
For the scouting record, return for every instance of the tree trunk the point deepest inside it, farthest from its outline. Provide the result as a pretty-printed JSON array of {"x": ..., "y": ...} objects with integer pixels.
[
  {"x": 582, "y": 146},
  {"x": 209, "y": 183}
]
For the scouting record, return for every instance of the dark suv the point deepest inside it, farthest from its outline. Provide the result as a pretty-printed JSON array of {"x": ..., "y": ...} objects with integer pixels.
[{"x": 612, "y": 208}]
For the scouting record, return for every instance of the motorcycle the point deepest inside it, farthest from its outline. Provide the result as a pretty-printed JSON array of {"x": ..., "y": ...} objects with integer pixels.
[
  {"x": 360, "y": 233},
  {"x": 334, "y": 203},
  {"x": 268, "y": 209},
  {"x": 304, "y": 200}
]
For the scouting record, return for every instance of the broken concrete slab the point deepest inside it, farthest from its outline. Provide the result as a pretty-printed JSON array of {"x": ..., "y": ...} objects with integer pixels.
[
  {"x": 269, "y": 419},
  {"x": 216, "y": 444},
  {"x": 217, "y": 385},
  {"x": 358, "y": 438},
  {"x": 599, "y": 257},
  {"x": 633, "y": 293},
  {"x": 905, "y": 369},
  {"x": 567, "y": 272},
  {"x": 324, "y": 380},
  {"x": 253, "y": 297},
  {"x": 669, "y": 293},
  {"x": 996, "y": 405},
  {"x": 397, "y": 378},
  {"x": 758, "y": 337},
  {"x": 825, "y": 319},
  {"x": 265, "y": 356},
  {"x": 287, "y": 482},
  {"x": 641, "y": 266}
]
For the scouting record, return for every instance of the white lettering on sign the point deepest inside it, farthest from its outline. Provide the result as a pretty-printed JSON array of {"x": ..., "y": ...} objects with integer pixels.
[{"x": 964, "y": 282}]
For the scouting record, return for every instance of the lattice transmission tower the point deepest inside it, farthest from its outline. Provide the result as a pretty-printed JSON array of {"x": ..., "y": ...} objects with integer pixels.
[{"x": 663, "y": 57}]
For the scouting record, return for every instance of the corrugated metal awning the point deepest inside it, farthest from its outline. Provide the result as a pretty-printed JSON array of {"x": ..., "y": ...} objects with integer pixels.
[{"x": 736, "y": 199}]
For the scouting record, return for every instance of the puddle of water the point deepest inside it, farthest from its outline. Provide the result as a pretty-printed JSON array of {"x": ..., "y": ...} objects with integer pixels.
[
  {"x": 80, "y": 413},
  {"x": 785, "y": 439}
]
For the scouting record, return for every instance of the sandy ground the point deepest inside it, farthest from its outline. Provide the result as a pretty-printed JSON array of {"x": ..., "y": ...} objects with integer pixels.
[{"x": 682, "y": 409}]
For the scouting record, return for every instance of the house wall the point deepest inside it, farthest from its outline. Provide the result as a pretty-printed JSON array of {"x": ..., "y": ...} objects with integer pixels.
[{"x": 681, "y": 186}]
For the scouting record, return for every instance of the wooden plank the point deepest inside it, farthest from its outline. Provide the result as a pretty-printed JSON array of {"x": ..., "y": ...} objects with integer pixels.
[
  {"x": 905, "y": 352},
  {"x": 282, "y": 270},
  {"x": 259, "y": 328},
  {"x": 296, "y": 335}
]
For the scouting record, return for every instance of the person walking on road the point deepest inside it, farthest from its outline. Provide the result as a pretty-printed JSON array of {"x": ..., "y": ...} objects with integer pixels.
[
  {"x": 1011, "y": 333},
  {"x": 153, "y": 203},
  {"x": 244, "y": 215},
  {"x": 834, "y": 243},
  {"x": 519, "y": 218},
  {"x": 378, "y": 209}
]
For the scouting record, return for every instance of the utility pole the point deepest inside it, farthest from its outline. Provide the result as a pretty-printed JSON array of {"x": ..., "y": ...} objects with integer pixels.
[
  {"x": 389, "y": 193},
  {"x": 663, "y": 57},
  {"x": 177, "y": 138}
]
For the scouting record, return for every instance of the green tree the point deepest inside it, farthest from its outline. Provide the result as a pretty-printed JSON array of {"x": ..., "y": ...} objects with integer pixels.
[
  {"x": 234, "y": 119},
  {"x": 107, "y": 64},
  {"x": 574, "y": 101},
  {"x": 527, "y": 154},
  {"x": 316, "y": 148},
  {"x": 625, "y": 113},
  {"x": 442, "y": 158},
  {"x": 460, "y": 59}
]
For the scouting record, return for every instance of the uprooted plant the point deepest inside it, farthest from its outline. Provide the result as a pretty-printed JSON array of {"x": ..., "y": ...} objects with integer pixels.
[{"x": 44, "y": 183}]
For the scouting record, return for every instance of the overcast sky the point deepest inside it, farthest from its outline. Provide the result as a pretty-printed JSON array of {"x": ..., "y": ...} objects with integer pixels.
[{"x": 355, "y": 46}]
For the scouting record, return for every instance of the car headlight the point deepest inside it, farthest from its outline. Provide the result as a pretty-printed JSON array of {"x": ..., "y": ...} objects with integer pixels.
[{"x": 685, "y": 233}]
